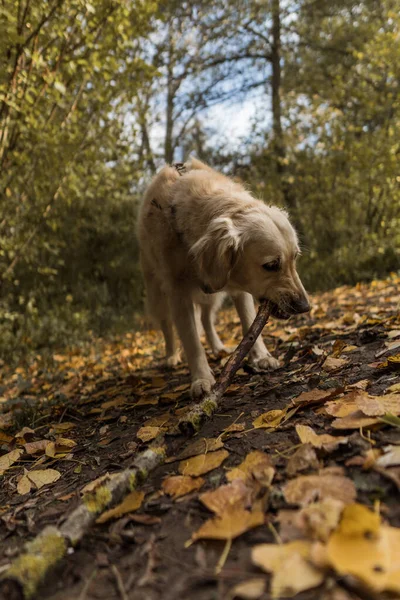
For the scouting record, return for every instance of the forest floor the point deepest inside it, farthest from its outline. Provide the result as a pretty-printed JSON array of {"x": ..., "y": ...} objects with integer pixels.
[{"x": 315, "y": 441}]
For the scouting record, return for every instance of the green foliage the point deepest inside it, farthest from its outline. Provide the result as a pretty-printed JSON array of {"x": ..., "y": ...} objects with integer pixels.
[{"x": 68, "y": 71}]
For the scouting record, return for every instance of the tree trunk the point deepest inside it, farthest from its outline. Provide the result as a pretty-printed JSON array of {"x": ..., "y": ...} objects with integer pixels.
[{"x": 278, "y": 140}]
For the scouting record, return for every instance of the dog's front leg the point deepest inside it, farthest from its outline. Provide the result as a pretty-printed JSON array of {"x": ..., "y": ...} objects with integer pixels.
[
  {"x": 259, "y": 356},
  {"x": 202, "y": 377}
]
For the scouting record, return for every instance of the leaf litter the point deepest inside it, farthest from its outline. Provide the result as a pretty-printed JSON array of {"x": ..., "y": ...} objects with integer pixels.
[{"x": 296, "y": 459}]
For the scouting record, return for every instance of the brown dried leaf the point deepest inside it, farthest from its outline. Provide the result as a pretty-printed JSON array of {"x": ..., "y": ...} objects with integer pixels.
[
  {"x": 147, "y": 433},
  {"x": 180, "y": 485},
  {"x": 224, "y": 497},
  {"x": 256, "y": 466},
  {"x": 328, "y": 442},
  {"x": 198, "y": 465},
  {"x": 200, "y": 446},
  {"x": 334, "y": 364},
  {"x": 37, "y": 479},
  {"x": 355, "y": 420},
  {"x": 38, "y": 447},
  {"x": 308, "y": 488},
  {"x": 131, "y": 502},
  {"x": 303, "y": 459},
  {"x": 374, "y": 406},
  {"x": 316, "y": 396}
]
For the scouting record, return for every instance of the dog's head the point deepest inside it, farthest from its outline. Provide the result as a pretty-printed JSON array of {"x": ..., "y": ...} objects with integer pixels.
[{"x": 254, "y": 250}]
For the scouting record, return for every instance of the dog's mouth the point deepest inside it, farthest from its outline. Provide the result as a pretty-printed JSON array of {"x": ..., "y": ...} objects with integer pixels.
[{"x": 276, "y": 311}]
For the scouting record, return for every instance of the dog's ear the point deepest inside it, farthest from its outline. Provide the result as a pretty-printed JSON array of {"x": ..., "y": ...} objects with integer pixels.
[{"x": 216, "y": 252}]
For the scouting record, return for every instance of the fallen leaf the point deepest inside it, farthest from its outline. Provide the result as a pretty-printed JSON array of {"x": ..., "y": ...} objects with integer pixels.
[
  {"x": 92, "y": 485},
  {"x": 328, "y": 442},
  {"x": 306, "y": 489},
  {"x": 390, "y": 458},
  {"x": 354, "y": 420},
  {"x": 38, "y": 447},
  {"x": 232, "y": 523},
  {"x": 318, "y": 520},
  {"x": 203, "y": 463},
  {"x": 131, "y": 502},
  {"x": 224, "y": 497},
  {"x": 374, "y": 406},
  {"x": 180, "y": 485},
  {"x": 334, "y": 364},
  {"x": 363, "y": 548},
  {"x": 315, "y": 396},
  {"x": 37, "y": 478},
  {"x": 341, "y": 408},
  {"x": 270, "y": 419},
  {"x": 7, "y": 460},
  {"x": 200, "y": 446},
  {"x": 147, "y": 433},
  {"x": 304, "y": 458},
  {"x": 292, "y": 573},
  {"x": 251, "y": 589},
  {"x": 393, "y": 388},
  {"x": 256, "y": 466}
]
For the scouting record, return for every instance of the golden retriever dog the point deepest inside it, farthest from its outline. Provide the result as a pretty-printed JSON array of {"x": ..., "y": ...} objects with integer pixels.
[{"x": 201, "y": 233}]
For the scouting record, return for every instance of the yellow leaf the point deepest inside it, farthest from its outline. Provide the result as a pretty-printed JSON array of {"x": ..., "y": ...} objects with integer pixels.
[
  {"x": 307, "y": 488},
  {"x": 292, "y": 573},
  {"x": 7, "y": 460},
  {"x": 363, "y": 548},
  {"x": 41, "y": 477},
  {"x": 198, "y": 465},
  {"x": 270, "y": 419},
  {"x": 256, "y": 466},
  {"x": 328, "y": 442},
  {"x": 251, "y": 589},
  {"x": 24, "y": 485},
  {"x": 180, "y": 485},
  {"x": 342, "y": 407},
  {"x": 131, "y": 502},
  {"x": 232, "y": 523}
]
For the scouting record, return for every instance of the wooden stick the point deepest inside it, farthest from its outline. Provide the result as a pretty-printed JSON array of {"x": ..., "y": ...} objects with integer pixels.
[{"x": 191, "y": 422}]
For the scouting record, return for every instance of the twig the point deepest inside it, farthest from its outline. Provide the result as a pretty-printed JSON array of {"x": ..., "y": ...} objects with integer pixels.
[
  {"x": 192, "y": 421},
  {"x": 120, "y": 583}
]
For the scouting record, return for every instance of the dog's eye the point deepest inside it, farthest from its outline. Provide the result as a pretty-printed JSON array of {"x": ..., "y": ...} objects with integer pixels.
[{"x": 272, "y": 266}]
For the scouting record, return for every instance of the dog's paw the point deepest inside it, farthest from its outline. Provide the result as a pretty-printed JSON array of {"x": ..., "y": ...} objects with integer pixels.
[
  {"x": 221, "y": 351},
  {"x": 201, "y": 387},
  {"x": 265, "y": 363},
  {"x": 173, "y": 360}
]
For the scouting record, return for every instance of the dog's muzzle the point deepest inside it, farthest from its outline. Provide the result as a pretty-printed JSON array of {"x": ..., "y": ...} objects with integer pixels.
[{"x": 289, "y": 307}]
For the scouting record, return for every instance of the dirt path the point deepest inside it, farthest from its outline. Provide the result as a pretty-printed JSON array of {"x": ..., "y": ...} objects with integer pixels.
[{"x": 86, "y": 413}]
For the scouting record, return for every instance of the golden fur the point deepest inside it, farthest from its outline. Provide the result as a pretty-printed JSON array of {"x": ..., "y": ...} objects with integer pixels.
[{"x": 201, "y": 233}]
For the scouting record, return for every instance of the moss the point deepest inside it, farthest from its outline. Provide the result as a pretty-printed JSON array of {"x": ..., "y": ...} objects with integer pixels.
[
  {"x": 209, "y": 406},
  {"x": 32, "y": 566},
  {"x": 98, "y": 500},
  {"x": 159, "y": 450},
  {"x": 132, "y": 481},
  {"x": 142, "y": 474}
]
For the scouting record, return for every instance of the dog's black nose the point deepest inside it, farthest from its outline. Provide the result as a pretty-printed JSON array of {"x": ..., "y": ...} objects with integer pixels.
[{"x": 300, "y": 305}]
